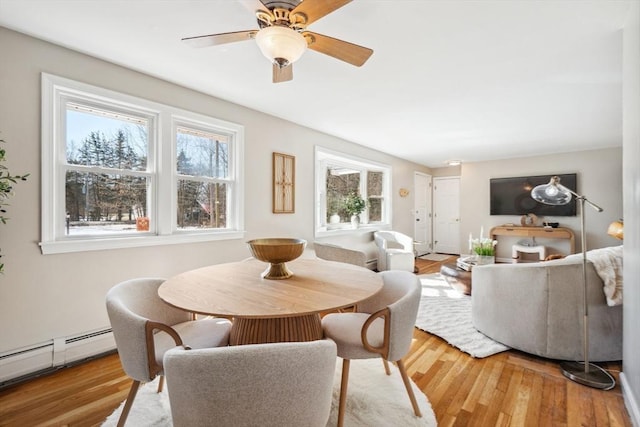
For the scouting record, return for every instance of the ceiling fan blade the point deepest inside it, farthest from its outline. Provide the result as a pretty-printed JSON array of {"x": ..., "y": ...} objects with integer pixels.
[
  {"x": 282, "y": 74},
  {"x": 222, "y": 38},
  {"x": 339, "y": 49},
  {"x": 253, "y": 5},
  {"x": 316, "y": 9}
]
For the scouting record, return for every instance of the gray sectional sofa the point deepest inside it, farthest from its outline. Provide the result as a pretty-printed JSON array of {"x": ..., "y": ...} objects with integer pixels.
[{"x": 538, "y": 308}]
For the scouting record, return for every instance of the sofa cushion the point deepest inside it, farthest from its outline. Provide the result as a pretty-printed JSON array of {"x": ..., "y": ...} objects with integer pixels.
[{"x": 356, "y": 248}]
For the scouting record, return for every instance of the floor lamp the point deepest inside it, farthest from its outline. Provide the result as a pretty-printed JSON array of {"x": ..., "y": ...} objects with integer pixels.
[{"x": 584, "y": 373}]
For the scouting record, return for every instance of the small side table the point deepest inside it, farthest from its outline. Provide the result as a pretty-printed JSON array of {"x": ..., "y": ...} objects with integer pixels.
[{"x": 458, "y": 279}]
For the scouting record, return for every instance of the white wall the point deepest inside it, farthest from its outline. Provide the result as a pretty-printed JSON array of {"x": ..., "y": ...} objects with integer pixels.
[
  {"x": 599, "y": 179},
  {"x": 631, "y": 172},
  {"x": 44, "y": 297}
]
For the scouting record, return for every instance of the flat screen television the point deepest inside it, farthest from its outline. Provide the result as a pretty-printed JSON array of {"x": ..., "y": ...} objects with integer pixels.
[{"x": 512, "y": 196}]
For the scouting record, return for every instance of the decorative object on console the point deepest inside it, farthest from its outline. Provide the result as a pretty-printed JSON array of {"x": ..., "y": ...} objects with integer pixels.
[
  {"x": 277, "y": 251},
  {"x": 529, "y": 219},
  {"x": 584, "y": 373},
  {"x": 616, "y": 229}
]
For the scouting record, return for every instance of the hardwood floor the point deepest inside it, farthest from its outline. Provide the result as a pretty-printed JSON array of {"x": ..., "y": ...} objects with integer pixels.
[{"x": 508, "y": 389}]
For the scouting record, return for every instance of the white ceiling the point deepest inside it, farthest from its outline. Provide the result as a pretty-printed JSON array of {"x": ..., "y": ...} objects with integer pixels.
[{"x": 469, "y": 80}]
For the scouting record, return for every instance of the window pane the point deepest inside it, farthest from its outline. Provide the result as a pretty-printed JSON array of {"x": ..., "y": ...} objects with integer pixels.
[
  {"x": 202, "y": 153},
  {"x": 106, "y": 139},
  {"x": 103, "y": 203},
  {"x": 374, "y": 193},
  {"x": 201, "y": 205},
  {"x": 340, "y": 183}
]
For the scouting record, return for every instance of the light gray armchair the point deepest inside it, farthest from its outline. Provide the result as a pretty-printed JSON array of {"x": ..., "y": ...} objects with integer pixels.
[
  {"x": 145, "y": 327},
  {"x": 382, "y": 326},
  {"x": 395, "y": 251},
  {"x": 278, "y": 384}
]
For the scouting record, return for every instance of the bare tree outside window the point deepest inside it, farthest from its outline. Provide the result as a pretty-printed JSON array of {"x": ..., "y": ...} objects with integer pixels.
[
  {"x": 203, "y": 168},
  {"x": 375, "y": 197},
  {"x": 340, "y": 183},
  {"x": 103, "y": 192}
]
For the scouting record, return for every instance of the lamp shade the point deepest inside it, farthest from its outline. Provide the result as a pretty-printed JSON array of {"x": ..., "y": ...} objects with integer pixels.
[
  {"x": 616, "y": 229},
  {"x": 281, "y": 45},
  {"x": 552, "y": 193}
]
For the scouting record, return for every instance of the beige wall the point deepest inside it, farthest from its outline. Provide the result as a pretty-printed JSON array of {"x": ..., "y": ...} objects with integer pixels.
[
  {"x": 44, "y": 297},
  {"x": 631, "y": 173},
  {"x": 599, "y": 179}
]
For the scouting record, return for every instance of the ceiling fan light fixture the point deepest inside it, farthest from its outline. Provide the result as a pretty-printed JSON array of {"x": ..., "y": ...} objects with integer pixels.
[{"x": 281, "y": 45}]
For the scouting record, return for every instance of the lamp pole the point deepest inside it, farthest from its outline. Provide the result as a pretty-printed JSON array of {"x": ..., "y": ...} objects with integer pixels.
[{"x": 584, "y": 373}]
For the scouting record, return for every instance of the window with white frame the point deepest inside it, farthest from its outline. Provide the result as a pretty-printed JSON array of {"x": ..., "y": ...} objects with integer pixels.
[
  {"x": 339, "y": 176},
  {"x": 120, "y": 171}
]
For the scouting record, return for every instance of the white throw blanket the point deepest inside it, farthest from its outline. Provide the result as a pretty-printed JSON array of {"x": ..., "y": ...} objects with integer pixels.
[{"x": 608, "y": 265}]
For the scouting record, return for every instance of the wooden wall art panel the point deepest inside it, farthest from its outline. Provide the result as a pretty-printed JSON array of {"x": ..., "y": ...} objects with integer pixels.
[{"x": 284, "y": 176}]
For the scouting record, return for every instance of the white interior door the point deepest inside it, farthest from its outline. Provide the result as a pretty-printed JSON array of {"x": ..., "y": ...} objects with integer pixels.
[
  {"x": 446, "y": 208},
  {"x": 422, "y": 213}
]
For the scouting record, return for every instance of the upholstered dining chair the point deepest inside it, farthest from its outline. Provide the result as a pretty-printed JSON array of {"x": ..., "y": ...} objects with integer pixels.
[
  {"x": 276, "y": 384},
  {"x": 395, "y": 251},
  {"x": 381, "y": 326},
  {"x": 145, "y": 327}
]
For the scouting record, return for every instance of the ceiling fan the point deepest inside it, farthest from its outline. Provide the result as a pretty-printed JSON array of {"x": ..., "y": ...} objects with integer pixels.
[{"x": 283, "y": 35}]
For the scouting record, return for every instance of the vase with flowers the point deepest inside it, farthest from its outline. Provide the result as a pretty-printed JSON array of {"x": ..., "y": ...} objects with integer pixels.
[
  {"x": 483, "y": 248},
  {"x": 354, "y": 205}
]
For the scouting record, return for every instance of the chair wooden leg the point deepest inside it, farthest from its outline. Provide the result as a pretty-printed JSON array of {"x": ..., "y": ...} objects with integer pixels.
[
  {"x": 407, "y": 385},
  {"x": 128, "y": 403},
  {"x": 386, "y": 366},
  {"x": 160, "y": 383},
  {"x": 343, "y": 391}
]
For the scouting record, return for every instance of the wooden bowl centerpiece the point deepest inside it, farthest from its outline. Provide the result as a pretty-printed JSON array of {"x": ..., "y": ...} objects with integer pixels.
[{"x": 277, "y": 251}]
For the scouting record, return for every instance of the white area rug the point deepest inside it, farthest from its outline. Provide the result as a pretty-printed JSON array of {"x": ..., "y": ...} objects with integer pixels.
[
  {"x": 435, "y": 257},
  {"x": 373, "y": 399},
  {"x": 446, "y": 312}
]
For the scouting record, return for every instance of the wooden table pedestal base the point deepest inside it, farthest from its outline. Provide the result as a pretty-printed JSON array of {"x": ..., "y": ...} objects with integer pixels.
[{"x": 284, "y": 329}]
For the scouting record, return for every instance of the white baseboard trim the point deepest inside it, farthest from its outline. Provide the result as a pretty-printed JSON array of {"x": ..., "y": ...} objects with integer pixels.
[
  {"x": 26, "y": 360},
  {"x": 55, "y": 353},
  {"x": 630, "y": 401}
]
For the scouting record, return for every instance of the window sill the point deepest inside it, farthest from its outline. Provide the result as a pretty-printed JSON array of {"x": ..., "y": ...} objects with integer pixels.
[{"x": 73, "y": 245}]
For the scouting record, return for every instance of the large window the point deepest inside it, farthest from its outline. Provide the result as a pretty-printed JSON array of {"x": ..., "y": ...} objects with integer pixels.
[
  {"x": 203, "y": 178},
  {"x": 120, "y": 171},
  {"x": 339, "y": 176}
]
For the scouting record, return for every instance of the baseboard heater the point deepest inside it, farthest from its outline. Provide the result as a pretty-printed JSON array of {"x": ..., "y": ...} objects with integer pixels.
[{"x": 54, "y": 354}]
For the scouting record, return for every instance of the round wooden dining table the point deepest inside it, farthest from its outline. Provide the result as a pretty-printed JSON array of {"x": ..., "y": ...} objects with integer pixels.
[{"x": 265, "y": 310}]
